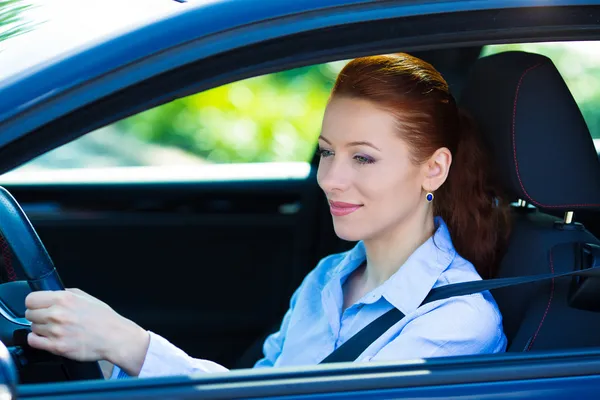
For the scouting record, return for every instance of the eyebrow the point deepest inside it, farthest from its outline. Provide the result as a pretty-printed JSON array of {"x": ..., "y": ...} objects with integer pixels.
[{"x": 358, "y": 143}]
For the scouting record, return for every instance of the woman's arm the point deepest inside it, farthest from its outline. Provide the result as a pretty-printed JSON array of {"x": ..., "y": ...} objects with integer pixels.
[
  {"x": 127, "y": 346},
  {"x": 76, "y": 325},
  {"x": 273, "y": 345},
  {"x": 163, "y": 359}
]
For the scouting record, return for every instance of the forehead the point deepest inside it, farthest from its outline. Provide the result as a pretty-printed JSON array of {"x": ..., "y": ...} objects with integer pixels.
[{"x": 348, "y": 119}]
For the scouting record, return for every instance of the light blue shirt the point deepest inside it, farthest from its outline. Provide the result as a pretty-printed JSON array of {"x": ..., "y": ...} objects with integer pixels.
[{"x": 315, "y": 325}]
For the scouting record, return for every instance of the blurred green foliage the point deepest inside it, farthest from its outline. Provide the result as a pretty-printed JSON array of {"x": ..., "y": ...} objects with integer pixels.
[
  {"x": 11, "y": 18},
  {"x": 277, "y": 117},
  {"x": 579, "y": 65}
]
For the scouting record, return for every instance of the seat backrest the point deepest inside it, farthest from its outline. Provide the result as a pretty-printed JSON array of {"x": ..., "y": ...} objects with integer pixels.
[{"x": 543, "y": 154}]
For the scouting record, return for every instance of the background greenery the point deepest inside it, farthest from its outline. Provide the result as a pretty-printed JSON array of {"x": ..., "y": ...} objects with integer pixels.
[
  {"x": 277, "y": 117},
  {"x": 11, "y": 18},
  {"x": 579, "y": 65},
  {"x": 273, "y": 117}
]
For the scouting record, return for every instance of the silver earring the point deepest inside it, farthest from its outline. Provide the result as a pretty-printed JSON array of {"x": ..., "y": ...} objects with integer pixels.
[{"x": 429, "y": 197}]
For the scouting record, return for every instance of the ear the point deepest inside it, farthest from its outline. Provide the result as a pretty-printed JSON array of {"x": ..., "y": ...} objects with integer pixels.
[{"x": 436, "y": 169}]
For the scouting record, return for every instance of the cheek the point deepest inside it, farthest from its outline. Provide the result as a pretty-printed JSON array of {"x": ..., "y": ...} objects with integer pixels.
[{"x": 400, "y": 188}]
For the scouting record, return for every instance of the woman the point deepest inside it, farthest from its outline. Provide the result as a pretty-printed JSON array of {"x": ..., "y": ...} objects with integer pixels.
[{"x": 404, "y": 175}]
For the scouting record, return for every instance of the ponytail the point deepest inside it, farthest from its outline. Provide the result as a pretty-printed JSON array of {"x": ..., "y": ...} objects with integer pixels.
[{"x": 471, "y": 205}]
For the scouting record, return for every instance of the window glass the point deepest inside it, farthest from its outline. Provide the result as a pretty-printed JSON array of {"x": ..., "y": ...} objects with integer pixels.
[
  {"x": 260, "y": 127},
  {"x": 269, "y": 119}
]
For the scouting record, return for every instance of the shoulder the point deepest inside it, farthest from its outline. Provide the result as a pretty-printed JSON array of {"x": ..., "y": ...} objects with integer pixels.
[
  {"x": 476, "y": 316},
  {"x": 459, "y": 270}
]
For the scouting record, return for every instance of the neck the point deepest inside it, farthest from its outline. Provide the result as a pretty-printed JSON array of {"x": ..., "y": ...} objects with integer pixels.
[{"x": 389, "y": 251}]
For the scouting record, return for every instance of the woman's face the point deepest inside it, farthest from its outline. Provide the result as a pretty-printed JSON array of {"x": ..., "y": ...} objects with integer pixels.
[{"x": 366, "y": 173}]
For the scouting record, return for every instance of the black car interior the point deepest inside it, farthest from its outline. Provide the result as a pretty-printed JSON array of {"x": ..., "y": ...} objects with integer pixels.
[
  {"x": 544, "y": 155},
  {"x": 211, "y": 266}
]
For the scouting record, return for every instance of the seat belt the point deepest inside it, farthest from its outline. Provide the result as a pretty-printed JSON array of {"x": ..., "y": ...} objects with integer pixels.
[{"x": 351, "y": 349}]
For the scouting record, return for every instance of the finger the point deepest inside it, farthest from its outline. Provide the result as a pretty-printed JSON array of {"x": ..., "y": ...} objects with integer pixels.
[
  {"x": 39, "y": 342},
  {"x": 43, "y": 299},
  {"x": 39, "y": 316},
  {"x": 46, "y": 330},
  {"x": 78, "y": 292},
  {"x": 53, "y": 315}
]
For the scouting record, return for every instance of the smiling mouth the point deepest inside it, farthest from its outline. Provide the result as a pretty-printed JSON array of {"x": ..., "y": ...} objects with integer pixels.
[{"x": 339, "y": 209}]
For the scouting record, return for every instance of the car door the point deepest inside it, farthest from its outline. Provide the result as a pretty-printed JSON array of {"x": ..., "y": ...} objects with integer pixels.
[{"x": 524, "y": 376}]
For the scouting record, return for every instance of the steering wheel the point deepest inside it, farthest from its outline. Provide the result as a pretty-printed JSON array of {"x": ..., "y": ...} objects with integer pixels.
[{"x": 38, "y": 268}]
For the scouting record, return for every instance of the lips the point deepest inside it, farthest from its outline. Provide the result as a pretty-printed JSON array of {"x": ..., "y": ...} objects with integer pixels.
[{"x": 339, "y": 209}]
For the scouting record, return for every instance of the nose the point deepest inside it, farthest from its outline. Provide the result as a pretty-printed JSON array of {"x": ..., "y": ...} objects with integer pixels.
[{"x": 333, "y": 176}]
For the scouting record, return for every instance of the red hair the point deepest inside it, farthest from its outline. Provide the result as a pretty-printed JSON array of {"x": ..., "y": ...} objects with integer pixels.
[{"x": 428, "y": 118}]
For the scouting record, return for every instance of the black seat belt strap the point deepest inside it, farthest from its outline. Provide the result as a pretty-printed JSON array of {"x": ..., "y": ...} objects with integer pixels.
[{"x": 357, "y": 344}]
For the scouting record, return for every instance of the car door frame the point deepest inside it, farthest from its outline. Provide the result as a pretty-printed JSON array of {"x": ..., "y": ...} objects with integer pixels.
[{"x": 532, "y": 376}]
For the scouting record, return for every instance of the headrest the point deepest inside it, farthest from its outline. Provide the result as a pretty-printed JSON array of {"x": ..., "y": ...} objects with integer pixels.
[{"x": 540, "y": 145}]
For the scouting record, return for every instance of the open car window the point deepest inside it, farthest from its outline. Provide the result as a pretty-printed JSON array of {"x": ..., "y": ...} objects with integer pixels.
[
  {"x": 271, "y": 121},
  {"x": 261, "y": 127}
]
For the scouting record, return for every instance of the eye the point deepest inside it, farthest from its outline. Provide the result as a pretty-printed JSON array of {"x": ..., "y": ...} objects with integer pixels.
[
  {"x": 363, "y": 159},
  {"x": 324, "y": 153}
]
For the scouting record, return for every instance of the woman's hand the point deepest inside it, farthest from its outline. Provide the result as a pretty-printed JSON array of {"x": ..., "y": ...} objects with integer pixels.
[{"x": 75, "y": 325}]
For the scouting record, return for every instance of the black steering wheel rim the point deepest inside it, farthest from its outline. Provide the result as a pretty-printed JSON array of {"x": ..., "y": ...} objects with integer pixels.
[{"x": 38, "y": 268}]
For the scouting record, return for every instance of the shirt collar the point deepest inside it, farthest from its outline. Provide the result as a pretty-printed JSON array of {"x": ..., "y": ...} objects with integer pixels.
[{"x": 413, "y": 281}]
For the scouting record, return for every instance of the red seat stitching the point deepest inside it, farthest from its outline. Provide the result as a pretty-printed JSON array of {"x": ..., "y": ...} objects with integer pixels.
[
  {"x": 529, "y": 198},
  {"x": 547, "y": 307}
]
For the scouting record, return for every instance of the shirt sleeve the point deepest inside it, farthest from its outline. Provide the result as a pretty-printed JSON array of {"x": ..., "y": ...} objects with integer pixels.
[
  {"x": 164, "y": 359},
  {"x": 273, "y": 345},
  {"x": 461, "y": 326}
]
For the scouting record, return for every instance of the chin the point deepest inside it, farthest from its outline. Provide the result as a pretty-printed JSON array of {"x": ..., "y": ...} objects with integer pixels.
[{"x": 348, "y": 234}]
